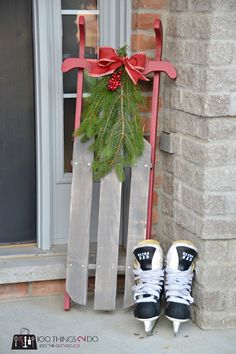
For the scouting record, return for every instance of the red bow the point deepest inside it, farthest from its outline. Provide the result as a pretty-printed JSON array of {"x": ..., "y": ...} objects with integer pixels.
[{"x": 109, "y": 61}]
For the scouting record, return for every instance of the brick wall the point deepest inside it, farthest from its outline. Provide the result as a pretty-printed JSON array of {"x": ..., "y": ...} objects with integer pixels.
[
  {"x": 44, "y": 288},
  {"x": 198, "y": 199}
]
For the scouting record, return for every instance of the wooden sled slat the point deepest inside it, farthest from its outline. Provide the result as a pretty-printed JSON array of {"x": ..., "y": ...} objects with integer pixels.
[
  {"x": 137, "y": 216},
  {"x": 108, "y": 243},
  {"x": 80, "y": 213}
]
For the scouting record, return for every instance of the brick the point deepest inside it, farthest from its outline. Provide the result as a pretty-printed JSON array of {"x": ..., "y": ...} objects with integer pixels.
[
  {"x": 175, "y": 50},
  {"x": 189, "y": 26},
  {"x": 120, "y": 283},
  {"x": 202, "y": 105},
  {"x": 221, "y": 128},
  {"x": 168, "y": 183},
  {"x": 177, "y": 187},
  {"x": 178, "y": 5},
  {"x": 215, "y": 250},
  {"x": 158, "y": 180},
  {"x": 143, "y": 21},
  {"x": 219, "y": 228},
  {"x": 168, "y": 162},
  {"x": 49, "y": 287},
  {"x": 8, "y": 291},
  {"x": 185, "y": 217},
  {"x": 203, "y": 154},
  {"x": 188, "y": 173},
  {"x": 142, "y": 42},
  {"x": 223, "y": 26},
  {"x": 212, "y": 5},
  {"x": 231, "y": 251},
  {"x": 168, "y": 224},
  {"x": 232, "y": 275},
  {"x": 211, "y": 275},
  {"x": 210, "y": 300},
  {"x": 195, "y": 52},
  {"x": 213, "y": 204},
  {"x": 146, "y": 86},
  {"x": 147, "y": 104},
  {"x": 218, "y": 319},
  {"x": 231, "y": 203},
  {"x": 193, "y": 150},
  {"x": 181, "y": 233},
  {"x": 155, "y": 198},
  {"x": 216, "y": 105},
  {"x": 201, "y": 5},
  {"x": 169, "y": 121},
  {"x": 155, "y": 215},
  {"x": 145, "y": 124},
  {"x": 220, "y": 179},
  {"x": 167, "y": 95},
  {"x": 217, "y": 79},
  {"x": 186, "y": 123},
  {"x": 216, "y": 53},
  {"x": 233, "y": 104},
  {"x": 232, "y": 301},
  {"x": 219, "y": 53},
  {"x": 167, "y": 204},
  {"x": 149, "y": 4},
  {"x": 202, "y": 203},
  {"x": 188, "y": 76}
]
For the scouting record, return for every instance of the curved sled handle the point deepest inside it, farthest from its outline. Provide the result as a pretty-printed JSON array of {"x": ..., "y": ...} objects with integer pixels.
[
  {"x": 158, "y": 64},
  {"x": 81, "y": 26},
  {"x": 159, "y": 38},
  {"x": 79, "y": 98}
]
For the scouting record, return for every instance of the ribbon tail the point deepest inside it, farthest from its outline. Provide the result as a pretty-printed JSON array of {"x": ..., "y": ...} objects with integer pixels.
[{"x": 135, "y": 75}]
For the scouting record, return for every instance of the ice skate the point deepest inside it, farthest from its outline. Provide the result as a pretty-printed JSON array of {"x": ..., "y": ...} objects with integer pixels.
[
  {"x": 178, "y": 283},
  {"x": 149, "y": 278}
]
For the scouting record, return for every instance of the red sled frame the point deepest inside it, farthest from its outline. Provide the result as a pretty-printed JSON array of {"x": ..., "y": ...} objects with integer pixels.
[{"x": 157, "y": 66}]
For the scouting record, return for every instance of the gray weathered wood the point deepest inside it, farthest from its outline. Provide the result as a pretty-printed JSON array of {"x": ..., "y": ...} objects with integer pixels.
[
  {"x": 80, "y": 213},
  {"x": 137, "y": 216},
  {"x": 108, "y": 243}
]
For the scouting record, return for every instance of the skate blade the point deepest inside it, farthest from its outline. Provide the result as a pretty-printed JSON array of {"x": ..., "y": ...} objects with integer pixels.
[
  {"x": 176, "y": 324},
  {"x": 149, "y": 324}
]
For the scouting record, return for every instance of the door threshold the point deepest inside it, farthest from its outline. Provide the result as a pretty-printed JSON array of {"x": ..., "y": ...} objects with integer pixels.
[{"x": 16, "y": 245}]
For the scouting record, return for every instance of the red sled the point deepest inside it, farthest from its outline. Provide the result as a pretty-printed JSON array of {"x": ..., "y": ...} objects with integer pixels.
[{"x": 106, "y": 265}]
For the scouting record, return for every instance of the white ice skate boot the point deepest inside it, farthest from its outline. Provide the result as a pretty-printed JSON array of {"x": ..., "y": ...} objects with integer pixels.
[
  {"x": 149, "y": 278},
  {"x": 178, "y": 283}
]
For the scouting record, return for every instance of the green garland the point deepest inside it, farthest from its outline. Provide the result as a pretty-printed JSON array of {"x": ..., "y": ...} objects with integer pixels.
[{"x": 112, "y": 119}]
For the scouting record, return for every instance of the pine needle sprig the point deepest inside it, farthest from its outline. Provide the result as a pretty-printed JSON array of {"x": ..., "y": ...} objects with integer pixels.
[{"x": 112, "y": 119}]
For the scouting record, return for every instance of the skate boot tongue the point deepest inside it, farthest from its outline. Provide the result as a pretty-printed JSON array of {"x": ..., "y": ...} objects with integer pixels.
[
  {"x": 181, "y": 256},
  {"x": 186, "y": 256},
  {"x": 144, "y": 256}
]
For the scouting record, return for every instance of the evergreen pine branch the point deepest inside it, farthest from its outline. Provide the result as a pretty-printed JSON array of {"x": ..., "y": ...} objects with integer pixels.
[{"x": 112, "y": 119}]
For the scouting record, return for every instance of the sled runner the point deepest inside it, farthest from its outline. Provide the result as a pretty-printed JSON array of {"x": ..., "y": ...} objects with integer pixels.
[{"x": 140, "y": 202}]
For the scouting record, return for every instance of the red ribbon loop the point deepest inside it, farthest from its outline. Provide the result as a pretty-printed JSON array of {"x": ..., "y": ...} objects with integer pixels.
[{"x": 109, "y": 61}]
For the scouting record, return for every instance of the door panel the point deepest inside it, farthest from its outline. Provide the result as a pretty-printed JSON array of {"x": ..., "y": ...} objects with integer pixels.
[{"x": 17, "y": 124}]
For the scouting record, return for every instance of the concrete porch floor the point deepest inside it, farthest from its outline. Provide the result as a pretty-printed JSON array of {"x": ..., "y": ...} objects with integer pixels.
[{"x": 113, "y": 332}]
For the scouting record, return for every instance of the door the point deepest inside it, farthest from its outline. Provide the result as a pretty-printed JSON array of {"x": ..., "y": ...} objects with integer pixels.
[
  {"x": 108, "y": 22},
  {"x": 17, "y": 124}
]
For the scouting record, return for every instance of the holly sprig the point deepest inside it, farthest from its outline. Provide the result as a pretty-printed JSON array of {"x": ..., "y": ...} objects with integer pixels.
[{"x": 111, "y": 118}]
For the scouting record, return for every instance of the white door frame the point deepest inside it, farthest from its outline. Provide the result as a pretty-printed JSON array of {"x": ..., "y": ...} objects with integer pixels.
[{"x": 49, "y": 99}]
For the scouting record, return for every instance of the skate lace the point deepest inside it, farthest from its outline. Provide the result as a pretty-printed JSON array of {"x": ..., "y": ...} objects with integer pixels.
[
  {"x": 178, "y": 286},
  {"x": 148, "y": 282}
]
